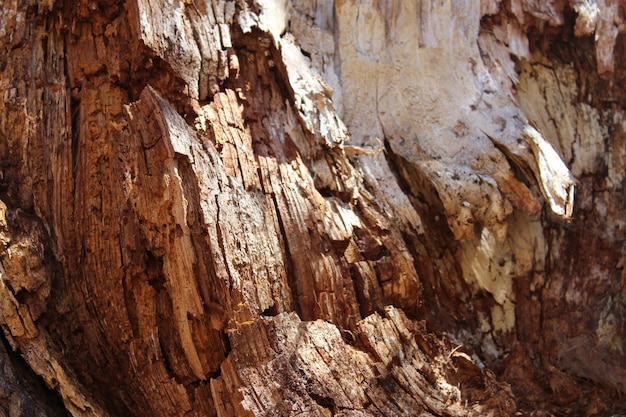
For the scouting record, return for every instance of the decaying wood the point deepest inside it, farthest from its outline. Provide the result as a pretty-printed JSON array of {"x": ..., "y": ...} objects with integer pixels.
[{"x": 232, "y": 208}]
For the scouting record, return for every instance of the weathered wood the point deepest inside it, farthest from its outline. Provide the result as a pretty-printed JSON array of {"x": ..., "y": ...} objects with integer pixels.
[
  {"x": 307, "y": 368},
  {"x": 229, "y": 208}
]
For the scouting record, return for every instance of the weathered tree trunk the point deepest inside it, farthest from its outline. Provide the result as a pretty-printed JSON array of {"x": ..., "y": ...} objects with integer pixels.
[{"x": 350, "y": 208}]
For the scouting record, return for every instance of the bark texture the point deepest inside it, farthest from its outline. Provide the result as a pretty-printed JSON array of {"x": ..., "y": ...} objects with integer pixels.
[{"x": 281, "y": 208}]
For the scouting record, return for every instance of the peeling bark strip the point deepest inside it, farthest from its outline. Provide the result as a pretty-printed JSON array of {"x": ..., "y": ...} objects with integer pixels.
[{"x": 281, "y": 208}]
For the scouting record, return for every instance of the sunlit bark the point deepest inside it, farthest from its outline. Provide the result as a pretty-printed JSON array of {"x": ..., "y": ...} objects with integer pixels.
[{"x": 350, "y": 208}]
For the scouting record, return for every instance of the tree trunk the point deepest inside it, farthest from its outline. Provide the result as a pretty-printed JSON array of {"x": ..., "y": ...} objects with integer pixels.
[{"x": 280, "y": 208}]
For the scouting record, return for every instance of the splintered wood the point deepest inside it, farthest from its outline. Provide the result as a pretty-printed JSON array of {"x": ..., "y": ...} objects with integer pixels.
[
  {"x": 282, "y": 208},
  {"x": 283, "y": 366}
]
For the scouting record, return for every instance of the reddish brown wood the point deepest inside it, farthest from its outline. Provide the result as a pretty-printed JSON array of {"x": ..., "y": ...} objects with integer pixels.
[{"x": 238, "y": 208}]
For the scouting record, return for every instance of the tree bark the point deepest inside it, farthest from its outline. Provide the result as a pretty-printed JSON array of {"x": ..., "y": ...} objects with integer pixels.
[{"x": 281, "y": 208}]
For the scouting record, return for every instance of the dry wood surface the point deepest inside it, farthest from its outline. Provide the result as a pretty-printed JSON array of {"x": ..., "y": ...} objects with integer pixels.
[{"x": 312, "y": 208}]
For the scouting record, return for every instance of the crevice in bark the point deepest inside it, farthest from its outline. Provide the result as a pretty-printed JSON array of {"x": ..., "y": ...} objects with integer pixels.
[
  {"x": 154, "y": 268},
  {"x": 520, "y": 169},
  {"x": 289, "y": 267},
  {"x": 76, "y": 123},
  {"x": 259, "y": 42},
  {"x": 326, "y": 403},
  {"x": 148, "y": 69},
  {"x": 130, "y": 303},
  {"x": 166, "y": 361},
  {"x": 432, "y": 251},
  {"x": 22, "y": 391}
]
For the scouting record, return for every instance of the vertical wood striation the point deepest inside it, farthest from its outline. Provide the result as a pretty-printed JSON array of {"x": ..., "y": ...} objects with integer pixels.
[{"x": 228, "y": 208}]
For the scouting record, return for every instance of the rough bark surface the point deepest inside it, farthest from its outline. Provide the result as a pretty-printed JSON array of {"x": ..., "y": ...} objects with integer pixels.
[{"x": 349, "y": 208}]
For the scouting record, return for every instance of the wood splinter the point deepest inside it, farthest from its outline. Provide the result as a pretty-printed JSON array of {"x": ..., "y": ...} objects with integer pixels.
[{"x": 351, "y": 150}]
